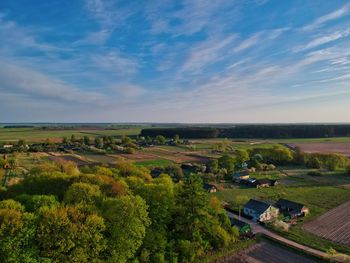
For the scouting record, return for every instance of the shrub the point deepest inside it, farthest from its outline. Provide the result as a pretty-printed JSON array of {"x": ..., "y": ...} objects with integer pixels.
[{"x": 280, "y": 225}]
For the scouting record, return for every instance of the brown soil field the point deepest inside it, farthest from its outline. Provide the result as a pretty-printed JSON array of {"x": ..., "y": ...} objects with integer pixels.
[
  {"x": 176, "y": 156},
  {"x": 324, "y": 147},
  {"x": 333, "y": 225},
  {"x": 264, "y": 252},
  {"x": 60, "y": 158}
]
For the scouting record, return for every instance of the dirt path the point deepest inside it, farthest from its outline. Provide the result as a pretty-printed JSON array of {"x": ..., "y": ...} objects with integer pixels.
[{"x": 257, "y": 228}]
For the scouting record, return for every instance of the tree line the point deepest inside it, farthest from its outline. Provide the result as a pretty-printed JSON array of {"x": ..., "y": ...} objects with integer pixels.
[{"x": 254, "y": 131}]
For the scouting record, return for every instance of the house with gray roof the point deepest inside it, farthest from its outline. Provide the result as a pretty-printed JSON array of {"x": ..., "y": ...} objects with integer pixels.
[{"x": 260, "y": 211}]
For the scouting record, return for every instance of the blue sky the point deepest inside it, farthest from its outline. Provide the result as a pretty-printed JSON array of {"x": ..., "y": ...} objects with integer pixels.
[{"x": 175, "y": 61}]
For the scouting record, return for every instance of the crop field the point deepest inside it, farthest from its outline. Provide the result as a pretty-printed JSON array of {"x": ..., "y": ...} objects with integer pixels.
[
  {"x": 40, "y": 135},
  {"x": 333, "y": 225},
  {"x": 265, "y": 252},
  {"x": 71, "y": 158},
  {"x": 324, "y": 147}
]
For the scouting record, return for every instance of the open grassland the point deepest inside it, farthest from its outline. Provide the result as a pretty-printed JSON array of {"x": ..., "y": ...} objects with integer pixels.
[
  {"x": 266, "y": 252},
  {"x": 40, "y": 135},
  {"x": 333, "y": 225}
]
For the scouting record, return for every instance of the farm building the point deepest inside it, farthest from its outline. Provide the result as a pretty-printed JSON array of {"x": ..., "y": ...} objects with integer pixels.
[
  {"x": 210, "y": 188},
  {"x": 260, "y": 211},
  {"x": 293, "y": 209},
  {"x": 252, "y": 182},
  {"x": 264, "y": 183}
]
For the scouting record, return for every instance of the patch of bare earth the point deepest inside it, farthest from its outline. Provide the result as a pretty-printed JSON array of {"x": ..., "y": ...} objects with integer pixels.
[
  {"x": 333, "y": 225},
  {"x": 264, "y": 252},
  {"x": 323, "y": 147}
]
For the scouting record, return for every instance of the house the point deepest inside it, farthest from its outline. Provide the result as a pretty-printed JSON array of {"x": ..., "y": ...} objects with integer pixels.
[
  {"x": 241, "y": 175},
  {"x": 7, "y": 146},
  {"x": 264, "y": 183},
  {"x": 243, "y": 227},
  {"x": 260, "y": 211},
  {"x": 291, "y": 208},
  {"x": 210, "y": 188}
]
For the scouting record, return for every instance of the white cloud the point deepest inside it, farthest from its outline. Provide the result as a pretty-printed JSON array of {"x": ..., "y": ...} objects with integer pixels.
[
  {"x": 260, "y": 38},
  {"x": 323, "y": 40},
  {"x": 342, "y": 11},
  {"x": 21, "y": 80},
  {"x": 114, "y": 62},
  {"x": 206, "y": 53}
]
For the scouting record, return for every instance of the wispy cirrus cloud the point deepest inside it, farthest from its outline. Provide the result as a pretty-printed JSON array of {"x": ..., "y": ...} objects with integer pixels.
[
  {"x": 324, "y": 39},
  {"x": 342, "y": 11}
]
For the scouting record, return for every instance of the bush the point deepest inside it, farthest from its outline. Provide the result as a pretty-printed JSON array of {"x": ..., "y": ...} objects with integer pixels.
[{"x": 280, "y": 225}]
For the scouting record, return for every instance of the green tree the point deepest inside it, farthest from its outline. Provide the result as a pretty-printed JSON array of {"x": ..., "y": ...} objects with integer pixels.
[
  {"x": 212, "y": 166},
  {"x": 126, "y": 220},
  {"x": 82, "y": 193},
  {"x": 161, "y": 140},
  {"x": 86, "y": 140},
  {"x": 66, "y": 234},
  {"x": 241, "y": 157},
  {"x": 17, "y": 233},
  {"x": 227, "y": 162}
]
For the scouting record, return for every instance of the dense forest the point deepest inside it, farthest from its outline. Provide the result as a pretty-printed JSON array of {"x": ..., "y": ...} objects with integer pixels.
[
  {"x": 254, "y": 131},
  {"x": 61, "y": 214}
]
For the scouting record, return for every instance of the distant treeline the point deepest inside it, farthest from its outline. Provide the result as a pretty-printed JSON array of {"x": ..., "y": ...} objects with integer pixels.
[
  {"x": 255, "y": 131},
  {"x": 18, "y": 126}
]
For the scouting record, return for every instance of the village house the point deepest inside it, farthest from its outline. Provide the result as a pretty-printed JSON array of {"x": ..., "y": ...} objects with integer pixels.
[
  {"x": 260, "y": 211},
  {"x": 210, "y": 188},
  {"x": 291, "y": 208}
]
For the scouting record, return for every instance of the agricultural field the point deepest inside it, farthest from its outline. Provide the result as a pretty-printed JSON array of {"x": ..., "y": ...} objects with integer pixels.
[
  {"x": 333, "y": 225},
  {"x": 39, "y": 135},
  {"x": 323, "y": 147},
  {"x": 266, "y": 252}
]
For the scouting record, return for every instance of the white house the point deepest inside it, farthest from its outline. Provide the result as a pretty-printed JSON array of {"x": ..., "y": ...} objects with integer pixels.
[{"x": 260, "y": 211}]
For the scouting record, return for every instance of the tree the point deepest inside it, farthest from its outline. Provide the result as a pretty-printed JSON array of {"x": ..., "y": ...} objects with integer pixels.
[
  {"x": 86, "y": 140},
  {"x": 17, "y": 233},
  {"x": 239, "y": 201},
  {"x": 175, "y": 172},
  {"x": 67, "y": 234},
  {"x": 64, "y": 140},
  {"x": 126, "y": 220},
  {"x": 98, "y": 142},
  {"x": 227, "y": 162},
  {"x": 160, "y": 140},
  {"x": 212, "y": 166},
  {"x": 199, "y": 226},
  {"x": 82, "y": 193},
  {"x": 241, "y": 157},
  {"x": 73, "y": 138},
  {"x": 159, "y": 196},
  {"x": 176, "y": 138}
]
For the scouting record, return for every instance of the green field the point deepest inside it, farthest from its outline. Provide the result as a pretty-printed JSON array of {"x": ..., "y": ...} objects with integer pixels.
[
  {"x": 155, "y": 163},
  {"x": 38, "y": 134}
]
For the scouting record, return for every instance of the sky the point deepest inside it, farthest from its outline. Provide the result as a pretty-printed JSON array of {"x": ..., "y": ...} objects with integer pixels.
[{"x": 189, "y": 61}]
